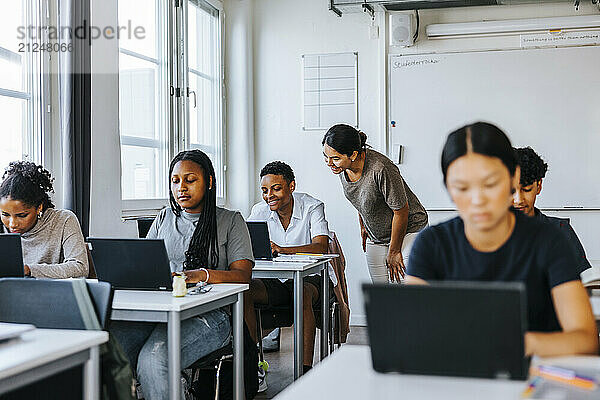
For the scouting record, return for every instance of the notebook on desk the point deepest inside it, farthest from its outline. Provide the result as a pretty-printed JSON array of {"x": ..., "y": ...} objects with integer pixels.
[
  {"x": 11, "y": 331},
  {"x": 472, "y": 329}
]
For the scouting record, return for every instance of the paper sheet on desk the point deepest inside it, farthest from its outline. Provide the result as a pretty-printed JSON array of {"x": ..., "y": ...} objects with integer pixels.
[
  {"x": 306, "y": 258},
  {"x": 549, "y": 389},
  {"x": 301, "y": 258}
]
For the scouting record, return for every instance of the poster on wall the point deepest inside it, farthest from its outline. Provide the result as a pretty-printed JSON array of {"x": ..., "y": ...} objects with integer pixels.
[{"x": 330, "y": 90}]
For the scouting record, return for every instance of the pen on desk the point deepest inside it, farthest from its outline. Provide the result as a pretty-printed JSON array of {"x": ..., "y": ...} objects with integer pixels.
[
  {"x": 566, "y": 376},
  {"x": 531, "y": 387},
  {"x": 310, "y": 254}
]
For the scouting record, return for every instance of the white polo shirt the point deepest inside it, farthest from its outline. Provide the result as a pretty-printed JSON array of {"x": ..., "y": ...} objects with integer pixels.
[{"x": 307, "y": 222}]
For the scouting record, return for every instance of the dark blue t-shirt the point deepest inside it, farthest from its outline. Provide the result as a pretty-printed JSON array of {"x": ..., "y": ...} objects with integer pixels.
[
  {"x": 567, "y": 230},
  {"x": 537, "y": 254}
]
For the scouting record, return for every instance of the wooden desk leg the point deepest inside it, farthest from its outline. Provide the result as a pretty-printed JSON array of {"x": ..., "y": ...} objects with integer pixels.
[
  {"x": 174, "y": 339},
  {"x": 298, "y": 324}
]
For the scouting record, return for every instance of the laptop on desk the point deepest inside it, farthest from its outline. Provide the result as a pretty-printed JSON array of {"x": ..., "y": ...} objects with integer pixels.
[
  {"x": 11, "y": 261},
  {"x": 472, "y": 329},
  {"x": 141, "y": 264},
  {"x": 261, "y": 243}
]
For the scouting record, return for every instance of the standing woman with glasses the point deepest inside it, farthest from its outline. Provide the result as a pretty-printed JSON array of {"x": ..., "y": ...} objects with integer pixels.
[
  {"x": 52, "y": 242},
  {"x": 389, "y": 213}
]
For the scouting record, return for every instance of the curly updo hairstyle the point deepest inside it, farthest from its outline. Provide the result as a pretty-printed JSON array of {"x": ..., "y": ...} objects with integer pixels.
[
  {"x": 27, "y": 182},
  {"x": 533, "y": 168}
]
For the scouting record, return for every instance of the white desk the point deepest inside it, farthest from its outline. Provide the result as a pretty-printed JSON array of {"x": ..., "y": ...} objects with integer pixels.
[
  {"x": 41, "y": 353},
  {"x": 348, "y": 374},
  {"x": 297, "y": 272},
  {"x": 155, "y": 306}
]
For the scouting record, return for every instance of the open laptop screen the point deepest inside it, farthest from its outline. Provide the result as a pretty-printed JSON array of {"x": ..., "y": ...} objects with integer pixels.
[
  {"x": 11, "y": 261},
  {"x": 473, "y": 329}
]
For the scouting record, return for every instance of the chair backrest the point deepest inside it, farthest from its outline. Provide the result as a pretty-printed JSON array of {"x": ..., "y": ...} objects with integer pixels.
[
  {"x": 143, "y": 225},
  {"x": 91, "y": 267},
  {"x": 50, "y": 303}
]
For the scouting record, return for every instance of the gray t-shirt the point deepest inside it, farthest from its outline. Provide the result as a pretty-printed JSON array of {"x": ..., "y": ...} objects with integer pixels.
[
  {"x": 379, "y": 191},
  {"x": 232, "y": 236}
]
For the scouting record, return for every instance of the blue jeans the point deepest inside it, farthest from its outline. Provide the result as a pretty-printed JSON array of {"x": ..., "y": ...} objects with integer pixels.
[{"x": 146, "y": 347}]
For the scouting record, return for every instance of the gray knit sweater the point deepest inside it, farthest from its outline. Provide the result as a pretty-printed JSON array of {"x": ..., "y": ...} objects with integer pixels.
[{"x": 54, "y": 247}]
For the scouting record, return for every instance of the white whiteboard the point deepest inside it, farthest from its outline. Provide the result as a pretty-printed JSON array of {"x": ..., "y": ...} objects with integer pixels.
[
  {"x": 548, "y": 99},
  {"x": 330, "y": 87}
]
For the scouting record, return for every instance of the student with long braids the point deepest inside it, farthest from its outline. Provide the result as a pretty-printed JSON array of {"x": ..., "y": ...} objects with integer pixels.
[
  {"x": 52, "y": 242},
  {"x": 490, "y": 241},
  {"x": 210, "y": 244}
]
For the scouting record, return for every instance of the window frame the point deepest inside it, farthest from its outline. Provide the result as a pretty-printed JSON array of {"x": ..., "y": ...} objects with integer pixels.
[
  {"x": 150, "y": 206},
  {"x": 220, "y": 152},
  {"x": 37, "y": 88},
  {"x": 177, "y": 108}
]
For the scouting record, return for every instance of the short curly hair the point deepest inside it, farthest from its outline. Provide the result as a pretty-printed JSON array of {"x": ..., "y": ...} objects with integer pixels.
[
  {"x": 533, "y": 168},
  {"x": 278, "y": 168},
  {"x": 27, "y": 182}
]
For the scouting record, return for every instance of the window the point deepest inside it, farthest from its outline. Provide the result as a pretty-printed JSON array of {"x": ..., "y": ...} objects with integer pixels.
[
  {"x": 156, "y": 119},
  {"x": 143, "y": 106},
  {"x": 21, "y": 107},
  {"x": 205, "y": 81}
]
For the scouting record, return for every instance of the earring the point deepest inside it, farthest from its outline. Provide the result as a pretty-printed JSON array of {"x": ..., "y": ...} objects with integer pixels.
[{"x": 40, "y": 215}]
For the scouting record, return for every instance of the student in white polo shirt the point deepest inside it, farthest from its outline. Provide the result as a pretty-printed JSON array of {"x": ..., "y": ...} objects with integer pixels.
[{"x": 296, "y": 224}]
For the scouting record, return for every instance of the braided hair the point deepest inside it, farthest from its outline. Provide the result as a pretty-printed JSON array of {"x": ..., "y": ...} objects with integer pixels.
[
  {"x": 203, "y": 250},
  {"x": 27, "y": 182}
]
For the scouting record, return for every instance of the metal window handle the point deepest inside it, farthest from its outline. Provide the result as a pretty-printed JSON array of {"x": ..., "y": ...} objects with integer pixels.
[{"x": 194, "y": 93}]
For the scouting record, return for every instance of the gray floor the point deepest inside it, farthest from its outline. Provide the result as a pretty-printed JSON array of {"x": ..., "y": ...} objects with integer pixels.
[{"x": 281, "y": 369}]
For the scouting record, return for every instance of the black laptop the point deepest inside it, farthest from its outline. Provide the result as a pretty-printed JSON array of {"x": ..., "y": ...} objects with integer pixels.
[
  {"x": 472, "y": 329},
  {"x": 11, "y": 261},
  {"x": 261, "y": 243},
  {"x": 132, "y": 263}
]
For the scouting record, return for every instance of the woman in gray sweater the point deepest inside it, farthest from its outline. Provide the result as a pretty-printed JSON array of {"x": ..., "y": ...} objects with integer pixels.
[{"x": 52, "y": 242}]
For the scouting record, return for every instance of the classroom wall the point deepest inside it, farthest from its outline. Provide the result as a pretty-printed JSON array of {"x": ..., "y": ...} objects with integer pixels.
[
  {"x": 286, "y": 29},
  {"x": 105, "y": 212}
]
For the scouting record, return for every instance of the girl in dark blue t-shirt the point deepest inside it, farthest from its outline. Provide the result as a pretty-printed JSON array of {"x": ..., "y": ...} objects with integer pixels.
[{"x": 491, "y": 242}]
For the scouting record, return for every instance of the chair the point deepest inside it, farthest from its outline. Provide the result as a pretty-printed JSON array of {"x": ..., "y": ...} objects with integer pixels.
[
  {"x": 271, "y": 317},
  {"x": 214, "y": 361},
  {"x": 91, "y": 267},
  {"x": 143, "y": 225},
  {"x": 50, "y": 303}
]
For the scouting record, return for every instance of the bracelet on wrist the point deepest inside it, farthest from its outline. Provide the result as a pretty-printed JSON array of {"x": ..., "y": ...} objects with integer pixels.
[{"x": 207, "y": 275}]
